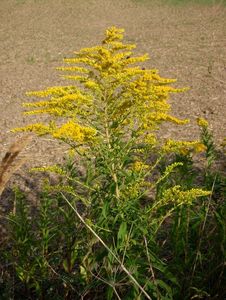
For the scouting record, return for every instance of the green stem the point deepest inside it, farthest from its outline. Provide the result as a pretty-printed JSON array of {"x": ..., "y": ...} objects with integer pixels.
[
  {"x": 107, "y": 133},
  {"x": 109, "y": 250}
]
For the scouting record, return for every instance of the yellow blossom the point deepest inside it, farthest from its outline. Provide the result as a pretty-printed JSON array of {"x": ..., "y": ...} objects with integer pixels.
[
  {"x": 150, "y": 139},
  {"x": 202, "y": 122},
  {"x": 183, "y": 147},
  {"x": 55, "y": 169},
  {"x": 38, "y": 128},
  {"x": 74, "y": 132},
  {"x": 110, "y": 87},
  {"x": 178, "y": 196},
  {"x": 139, "y": 166}
]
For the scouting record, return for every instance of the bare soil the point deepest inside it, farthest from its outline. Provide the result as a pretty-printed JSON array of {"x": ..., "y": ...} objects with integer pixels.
[{"x": 187, "y": 42}]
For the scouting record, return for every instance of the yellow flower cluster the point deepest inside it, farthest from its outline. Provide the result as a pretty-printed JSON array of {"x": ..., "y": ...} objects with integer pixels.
[
  {"x": 112, "y": 90},
  {"x": 69, "y": 131},
  {"x": 202, "y": 122},
  {"x": 54, "y": 169},
  {"x": 75, "y": 132},
  {"x": 179, "y": 197},
  {"x": 59, "y": 188},
  {"x": 65, "y": 102},
  {"x": 150, "y": 139},
  {"x": 139, "y": 166},
  {"x": 182, "y": 147},
  {"x": 38, "y": 128}
]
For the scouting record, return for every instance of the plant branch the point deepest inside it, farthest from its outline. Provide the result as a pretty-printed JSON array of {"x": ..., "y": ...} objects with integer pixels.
[{"x": 112, "y": 253}]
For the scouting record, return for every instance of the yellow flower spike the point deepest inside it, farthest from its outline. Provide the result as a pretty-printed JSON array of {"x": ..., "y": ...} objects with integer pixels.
[
  {"x": 75, "y": 132},
  {"x": 199, "y": 147},
  {"x": 54, "y": 169},
  {"x": 183, "y": 147},
  {"x": 92, "y": 85},
  {"x": 44, "y": 111},
  {"x": 202, "y": 122},
  {"x": 180, "y": 197},
  {"x": 150, "y": 139},
  {"x": 109, "y": 86},
  {"x": 73, "y": 69},
  {"x": 113, "y": 34},
  {"x": 139, "y": 166},
  {"x": 38, "y": 128}
]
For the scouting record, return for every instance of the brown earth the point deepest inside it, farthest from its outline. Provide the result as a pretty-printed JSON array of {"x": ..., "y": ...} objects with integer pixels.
[{"x": 187, "y": 42}]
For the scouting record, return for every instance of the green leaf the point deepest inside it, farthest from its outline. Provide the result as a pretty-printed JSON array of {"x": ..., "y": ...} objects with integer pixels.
[
  {"x": 122, "y": 231},
  {"x": 83, "y": 273},
  {"x": 105, "y": 209},
  {"x": 110, "y": 292},
  {"x": 65, "y": 265},
  {"x": 165, "y": 287}
]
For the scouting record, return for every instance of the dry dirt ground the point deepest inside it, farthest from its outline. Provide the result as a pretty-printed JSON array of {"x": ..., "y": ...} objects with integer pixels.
[{"x": 187, "y": 42}]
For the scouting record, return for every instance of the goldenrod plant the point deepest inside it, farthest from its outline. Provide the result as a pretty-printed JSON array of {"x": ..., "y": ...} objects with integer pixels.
[
  {"x": 111, "y": 97},
  {"x": 105, "y": 230}
]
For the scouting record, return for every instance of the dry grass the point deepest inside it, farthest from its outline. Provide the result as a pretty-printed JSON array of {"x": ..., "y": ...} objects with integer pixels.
[{"x": 10, "y": 162}]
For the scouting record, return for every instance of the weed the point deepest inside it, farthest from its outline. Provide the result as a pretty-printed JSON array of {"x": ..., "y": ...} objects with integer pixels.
[
  {"x": 31, "y": 60},
  {"x": 128, "y": 218}
]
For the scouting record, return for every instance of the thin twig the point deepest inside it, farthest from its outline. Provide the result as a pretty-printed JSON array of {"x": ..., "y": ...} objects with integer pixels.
[
  {"x": 201, "y": 231},
  {"x": 108, "y": 283}
]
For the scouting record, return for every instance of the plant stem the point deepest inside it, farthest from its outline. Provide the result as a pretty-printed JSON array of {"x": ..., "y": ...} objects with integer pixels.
[
  {"x": 112, "y": 253},
  {"x": 114, "y": 176}
]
